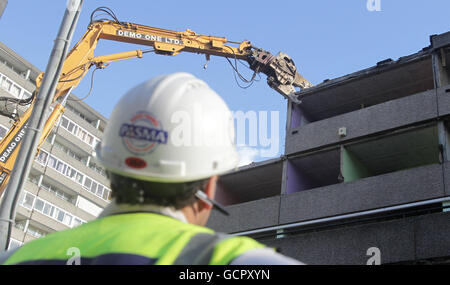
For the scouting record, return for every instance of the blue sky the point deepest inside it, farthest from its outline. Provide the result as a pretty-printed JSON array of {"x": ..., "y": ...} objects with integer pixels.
[{"x": 326, "y": 39}]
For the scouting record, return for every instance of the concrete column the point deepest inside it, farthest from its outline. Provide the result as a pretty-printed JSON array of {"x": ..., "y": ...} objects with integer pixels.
[
  {"x": 52, "y": 141},
  {"x": 41, "y": 177},
  {"x": 25, "y": 228}
]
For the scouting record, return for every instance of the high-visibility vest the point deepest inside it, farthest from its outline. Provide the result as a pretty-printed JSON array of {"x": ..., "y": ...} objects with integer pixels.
[{"x": 134, "y": 238}]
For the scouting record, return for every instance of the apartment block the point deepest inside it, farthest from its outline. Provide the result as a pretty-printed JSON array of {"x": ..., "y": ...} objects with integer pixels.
[
  {"x": 66, "y": 186},
  {"x": 365, "y": 178}
]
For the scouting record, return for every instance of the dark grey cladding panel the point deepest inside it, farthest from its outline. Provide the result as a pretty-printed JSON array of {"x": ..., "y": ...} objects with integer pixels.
[
  {"x": 384, "y": 82},
  {"x": 439, "y": 41},
  {"x": 250, "y": 215},
  {"x": 408, "y": 239},
  {"x": 349, "y": 245},
  {"x": 389, "y": 189},
  {"x": 377, "y": 118},
  {"x": 433, "y": 236},
  {"x": 443, "y": 96}
]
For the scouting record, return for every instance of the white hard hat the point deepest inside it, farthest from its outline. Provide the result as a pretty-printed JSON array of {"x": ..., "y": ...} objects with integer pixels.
[{"x": 173, "y": 128}]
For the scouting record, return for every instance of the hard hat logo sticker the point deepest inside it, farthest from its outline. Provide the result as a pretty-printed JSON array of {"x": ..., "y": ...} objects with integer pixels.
[
  {"x": 135, "y": 162},
  {"x": 142, "y": 134}
]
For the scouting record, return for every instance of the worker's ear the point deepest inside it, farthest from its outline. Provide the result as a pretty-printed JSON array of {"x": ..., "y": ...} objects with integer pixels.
[
  {"x": 210, "y": 188},
  {"x": 210, "y": 191}
]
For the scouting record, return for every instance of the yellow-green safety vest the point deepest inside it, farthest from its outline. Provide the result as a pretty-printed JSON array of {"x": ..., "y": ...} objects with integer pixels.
[{"x": 134, "y": 238}]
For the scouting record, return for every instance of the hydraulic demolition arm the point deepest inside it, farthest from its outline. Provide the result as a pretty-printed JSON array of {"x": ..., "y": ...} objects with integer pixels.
[{"x": 281, "y": 71}]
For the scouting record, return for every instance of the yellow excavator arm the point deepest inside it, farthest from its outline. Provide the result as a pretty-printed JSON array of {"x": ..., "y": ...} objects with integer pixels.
[{"x": 281, "y": 71}]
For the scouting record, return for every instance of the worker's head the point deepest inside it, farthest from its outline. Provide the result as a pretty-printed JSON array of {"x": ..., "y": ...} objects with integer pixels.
[{"x": 166, "y": 139}]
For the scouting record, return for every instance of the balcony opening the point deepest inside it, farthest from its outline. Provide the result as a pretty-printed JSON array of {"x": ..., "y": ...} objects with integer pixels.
[{"x": 312, "y": 171}]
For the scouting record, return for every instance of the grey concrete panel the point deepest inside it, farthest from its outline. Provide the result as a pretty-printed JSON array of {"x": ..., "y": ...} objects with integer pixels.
[
  {"x": 443, "y": 97},
  {"x": 433, "y": 236},
  {"x": 47, "y": 221},
  {"x": 349, "y": 245},
  {"x": 74, "y": 140},
  {"x": 37, "y": 166},
  {"x": 63, "y": 180},
  {"x": 55, "y": 200},
  {"x": 19, "y": 63},
  {"x": 7, "y": 71},
  {"x": 23, "y": 211},
  {"x": 30, "y": 187},
  {"x": 385, "y": 190},
  {"x": 29, "y": 238},
  {"x": 251, "y": 215},
  {"x": 370, "y": 120},
  {"x": 93, "y": 198},
  {"x": 17, "y": 234}
]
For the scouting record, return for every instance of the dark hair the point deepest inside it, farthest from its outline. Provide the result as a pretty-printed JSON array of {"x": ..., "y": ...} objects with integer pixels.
[{"x": 128, "y": 190}]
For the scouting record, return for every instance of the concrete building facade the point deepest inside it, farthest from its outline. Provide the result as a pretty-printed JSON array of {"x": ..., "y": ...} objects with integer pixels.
[
  {"x": 365, "y": 178},
  {"x": 66, "y": 186}
]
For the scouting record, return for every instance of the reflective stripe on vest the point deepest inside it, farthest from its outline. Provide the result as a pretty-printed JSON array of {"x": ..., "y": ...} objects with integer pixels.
[{"x": 138, "y": 238}]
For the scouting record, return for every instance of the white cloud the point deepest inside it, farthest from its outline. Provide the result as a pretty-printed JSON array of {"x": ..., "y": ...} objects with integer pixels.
[{"x": 247, "y": 155}]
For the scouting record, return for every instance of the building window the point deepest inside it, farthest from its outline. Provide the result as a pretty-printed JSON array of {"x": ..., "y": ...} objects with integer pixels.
[
  {"x": 67, "y": 219},
  {"x": 50, "y": 210},
  {"x": 64, "y": 122},
  {"x": 6, "y": 84},
  {"x": 3, "y": 131},
  {"x": 77, "y": 222},
  {"x": 42, "y": 157},
  {"x": 68, "y": 151},
  {"x": 13, "y": 244},
  {"x": 28, "y": 201},
  {"x": 16, "y": 90},
  {"x": 39, "y": 206},
  {"x": 58, "y": 193},
  {"x": 71, "y": 127},
  {"x": 90, "y": 139},
  {"x": 52, "y": 162},
  {"x": 37, "y": 233},
  {"x": 87, "y": 183},
  {"x": 68, "y": 171},
  {"x": 59, "y": 215},
  {"x": 78, "y": 131}
]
